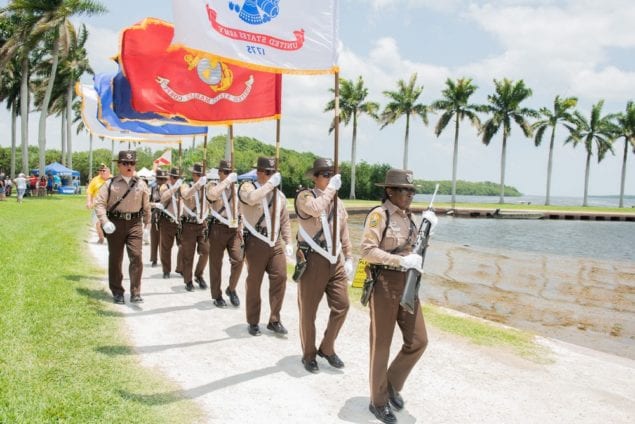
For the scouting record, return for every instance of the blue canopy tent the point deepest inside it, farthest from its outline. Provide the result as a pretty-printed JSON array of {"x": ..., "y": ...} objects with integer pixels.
[
  {"x": 57, "y": 168},
  {"x": 251, "y": 176},
  {"x": 68, "y": 176}
]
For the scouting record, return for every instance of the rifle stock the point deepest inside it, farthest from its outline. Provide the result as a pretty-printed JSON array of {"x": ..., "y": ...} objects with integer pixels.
[{"x": 413, "y": 277}]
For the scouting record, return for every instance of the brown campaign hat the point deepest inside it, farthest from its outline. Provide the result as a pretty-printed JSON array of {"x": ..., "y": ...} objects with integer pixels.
[
  {"x": 126, "y": 156},
  {"x": 320, "y": 165},
  {"x": 174, "y": 172},
  {"x": 225, "y": 165},
  {"x": 161, "y": 174},
  {"x": 398, "y": 178},
  {"x": 197, "y": 168},
  {"x": 266, "y": 163}
]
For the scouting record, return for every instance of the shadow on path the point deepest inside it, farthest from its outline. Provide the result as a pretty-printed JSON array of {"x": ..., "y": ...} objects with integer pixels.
[{"x": 355, "y": 410}]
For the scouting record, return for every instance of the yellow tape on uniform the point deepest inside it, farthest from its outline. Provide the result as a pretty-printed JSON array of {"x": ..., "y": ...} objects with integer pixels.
[{"x": 360, "y": 274}]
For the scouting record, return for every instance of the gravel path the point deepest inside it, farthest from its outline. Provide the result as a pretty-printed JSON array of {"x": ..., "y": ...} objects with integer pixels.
[{"x": 235, "y": 377}]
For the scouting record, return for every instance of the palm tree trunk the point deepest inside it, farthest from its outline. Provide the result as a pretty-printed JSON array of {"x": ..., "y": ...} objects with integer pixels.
[
  {"x": 586, "y": 178},
  {"x": 549, "y": 166},
  {"x": 455, "y": 159},
  {"x": 69, "y": 124},
  {"x": 41, "y": 137},
  {"x": 623, "y": 182},
  {"x": 405, "y": 143},
  {"x": 503, "y": 155},
  {"x": 63, "y": 137},
  {"x": 90, "y": 156},
  {"x": 353, "y": 156},
  {"x": 24, "y": 114},
  {"x": 14, "y": 114}
]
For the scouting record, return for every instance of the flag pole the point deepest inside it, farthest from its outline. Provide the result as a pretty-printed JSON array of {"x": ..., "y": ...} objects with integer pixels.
[
  {"x": 336, "y": 154},
  {"x": 275, "y": 189},
  {"x": 204, "y": 172},
  {"x": 230, "y": 133}
]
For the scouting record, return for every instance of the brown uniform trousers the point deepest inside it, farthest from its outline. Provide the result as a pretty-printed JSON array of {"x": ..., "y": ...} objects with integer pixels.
[
  {"x": 167, "y": 237},
  {"x": 154, "y": 240},
  {"x": 127, "y": 234},
  {"x": 222, "y": 238},
  {"x": 385, "y": 311},
  {"x": 321, "y": 277},
  {"x": 193, "y": 242},
  {"x": 260, "y": 258}
]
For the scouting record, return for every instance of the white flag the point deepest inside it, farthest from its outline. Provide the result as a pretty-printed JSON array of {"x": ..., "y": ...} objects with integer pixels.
[
  {"x": 164, "y": 159},
  {"x": 287, "y": 36}
]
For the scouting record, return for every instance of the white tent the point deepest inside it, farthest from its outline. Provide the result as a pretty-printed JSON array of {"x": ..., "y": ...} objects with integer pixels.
[{"x": 145, "y": 173}]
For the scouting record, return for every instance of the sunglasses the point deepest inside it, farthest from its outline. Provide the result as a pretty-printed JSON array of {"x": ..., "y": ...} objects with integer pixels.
[
  {"x": 266, "y": 171},
  {"x": 102, "y": 170},
  {"x": 404, "y": 190},
  {"x": 225, "y": 171},
  {"x": 322, "y": 174},
  {"x": 126, "y": 163}
]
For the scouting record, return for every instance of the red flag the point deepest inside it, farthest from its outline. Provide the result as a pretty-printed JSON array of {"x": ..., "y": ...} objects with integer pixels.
[
  {"x": 194, "y": 85},
  {"x": 164, "y": 159}
]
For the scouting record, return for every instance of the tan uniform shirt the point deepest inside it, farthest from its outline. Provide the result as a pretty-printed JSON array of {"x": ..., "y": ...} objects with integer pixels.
[
  {"x": 171, "y": 206},
  {"x": 138, "y": 198},
  {"x": 251, "y": 194},
  {"x": 215, "y": 192},
  {"x": 375, "y": 249},
  {"x": 190, "y": 195},
  {"x": 311, "y": 206}
]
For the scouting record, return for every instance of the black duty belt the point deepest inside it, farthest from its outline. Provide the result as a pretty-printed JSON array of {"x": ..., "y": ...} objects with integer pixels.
[
  {"x": 126, "y": 216},
  {"x": 167, "y": 217},
  {"x": 213, "y": 220},
  {"x": 388, "y": 268},
  {"x": 190, "y": 220}
]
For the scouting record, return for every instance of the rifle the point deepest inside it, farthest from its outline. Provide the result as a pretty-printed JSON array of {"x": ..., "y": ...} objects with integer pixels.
[{"x": 413, "y": 276}]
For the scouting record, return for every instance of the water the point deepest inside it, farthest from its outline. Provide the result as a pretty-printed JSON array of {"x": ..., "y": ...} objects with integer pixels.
[
  {"x": 603, "y": 201},
  {"x": 591, "y": 239}
]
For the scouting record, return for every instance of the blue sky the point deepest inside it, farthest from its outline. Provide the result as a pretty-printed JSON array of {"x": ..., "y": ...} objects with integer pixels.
[{"x": 583, "y": 48}]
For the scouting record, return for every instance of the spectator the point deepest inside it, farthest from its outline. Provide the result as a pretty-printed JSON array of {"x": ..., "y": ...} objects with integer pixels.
[
  {"x": 57, "y": 182},
  {"x": 33, "y": 185},
  {"x": 2, "y": 187},
  {"x": 20, "y": 185},
  {"x": 49, "y": 184},
  {"x": 103, "y": 175},
  {"x": 41, "y": 186}
]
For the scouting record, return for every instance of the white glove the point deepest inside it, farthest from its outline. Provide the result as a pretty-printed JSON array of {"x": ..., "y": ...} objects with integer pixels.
[
  {"x": 202, "y": 181},
  {"x": 233, "y": 177},
  {"x": 177, "y": 184},
  {"x": 335, "y": 182},
  {"x": 431, "y": 217},
  {"x": 412, "y": 261},
  {"x": 348, "y": 267},
  {"x": 108, "y": 227},
  {"x": 275, "y": 179},
  {"x": 288, "y": 250},
  {"x": 158, "y": 205},
  {"x": 146, "y": 235}
]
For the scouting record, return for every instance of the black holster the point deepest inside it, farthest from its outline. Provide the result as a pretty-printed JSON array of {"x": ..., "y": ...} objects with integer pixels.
[
  {"x": 300, "y": 262},
  {"x": 369, "y": 284}
]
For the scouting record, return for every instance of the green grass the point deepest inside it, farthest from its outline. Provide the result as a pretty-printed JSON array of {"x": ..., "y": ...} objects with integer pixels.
[
  {"x": 63, "y": 356},
  {"x": 477, "y": 331}
]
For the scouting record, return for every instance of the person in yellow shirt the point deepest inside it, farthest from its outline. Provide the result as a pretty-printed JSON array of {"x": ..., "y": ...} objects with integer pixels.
[{"x": 103, "y": 175}]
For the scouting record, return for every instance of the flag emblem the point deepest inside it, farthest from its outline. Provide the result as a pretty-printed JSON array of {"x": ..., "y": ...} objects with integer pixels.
[{"x": 256, "y": 12}]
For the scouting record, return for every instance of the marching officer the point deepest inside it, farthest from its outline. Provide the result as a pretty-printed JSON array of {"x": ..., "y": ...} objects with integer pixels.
[
  {"x": 155, "y": 201},
  {"x": 169, "y": 222},
  {"x": 325, "y": 272},
  {"x": 121, "y": 205},
  {"x": 194, "y": 234},
  {"x": 387, "y": 241},
  {"x": 264, "y": 251},
  {"x": 225, "y": 233}
]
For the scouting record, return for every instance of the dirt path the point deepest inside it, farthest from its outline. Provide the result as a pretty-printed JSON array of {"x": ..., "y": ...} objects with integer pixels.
[{"x": 235, "y": 377}]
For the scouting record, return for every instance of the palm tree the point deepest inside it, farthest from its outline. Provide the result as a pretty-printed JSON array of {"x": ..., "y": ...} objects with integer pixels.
[
  {"x": 404, "y": 102},
  {"x": 599, "y": 130},
  {"x": 626, "y": 129},
  {"x": 49, "y": 17},
  {"x": 352, "y": 104},
  {"x": 10, "y": 78},
  {"x": 455, "y": 105},
  {"x": 504, "y": 106},
  {"x": 561, "y": 114}
]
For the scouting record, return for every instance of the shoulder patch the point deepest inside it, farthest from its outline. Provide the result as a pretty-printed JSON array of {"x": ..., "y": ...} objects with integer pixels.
[{"x": 374, "y": 219}]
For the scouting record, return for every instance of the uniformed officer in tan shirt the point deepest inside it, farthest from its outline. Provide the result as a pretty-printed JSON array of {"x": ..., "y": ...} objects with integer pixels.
[
  {"x": 155, "y": 200},
  {"x": 264, "y": 251},
  {"x": 326, "y": 272},
  {"x": 121, "y": 205},
  {"x": 169, "y": 221},
  {"x": 225, "y": 233},
  {"x": 387, "y": 242},
  {"x": 194, "y": 235}
]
